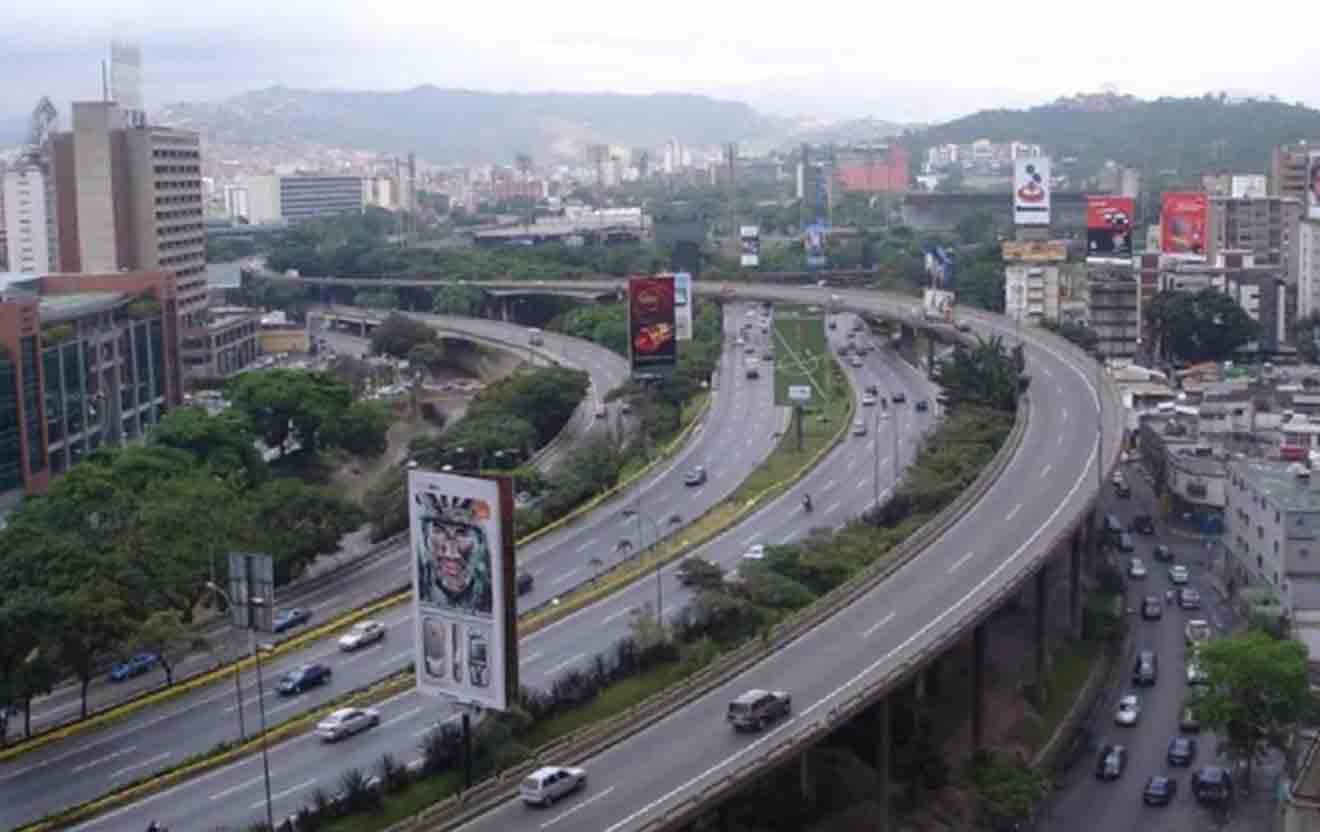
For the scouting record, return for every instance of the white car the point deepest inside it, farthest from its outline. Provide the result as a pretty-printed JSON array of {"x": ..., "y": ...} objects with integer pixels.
[
  {"x": 362, "y": 634},
  {"x": 868, "y": 400},
  {"x": 1196, "y": 674},
  {"x": 859, "y": 428},
  {"x": 1136, "y": 569},
  {"x": 1129, "y": 709},
  {"x": 1197, "y": 631},
  {"x": 1178, "y": 575},
  {"x": 756, "y": 552},
  {"x": 346, "y": 722},
  {"x": 549, "y": 783}
]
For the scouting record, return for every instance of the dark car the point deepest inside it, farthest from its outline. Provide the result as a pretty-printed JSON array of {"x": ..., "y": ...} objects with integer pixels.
[
  {"x": 697, "y": 476},
  {"x": 1126, "y": 544},
  {"x": 1212, "y": 784},
  {"x": 899, "y": 397},
  {"x": 923, "y": 406},
  {"x": 1189, "y": 599},
  {"x": 133, "y": 666},
  {"x": 1145, "y": 671},
  {"x": 525, "y": 582},
  {"x": 1159, "y": 791},
  {"x": 753, "y": 373},
  {"x": 872, "y": 389},
  {"x": 288, "y": 619},
  {"x": 1163, "y": 553},
  {"x": 1182, "y": 750},
  {"x": 301, "y": 678},
  {"x": 1110, "y": 764},
  {"x": 1123, "y": 490},
  {"x": 1152, "y": 608},
  {"x": 1143, "y": 524}
]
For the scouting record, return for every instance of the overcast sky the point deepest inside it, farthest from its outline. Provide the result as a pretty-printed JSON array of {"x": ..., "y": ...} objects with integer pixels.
[{"x": 898, "y": 61}]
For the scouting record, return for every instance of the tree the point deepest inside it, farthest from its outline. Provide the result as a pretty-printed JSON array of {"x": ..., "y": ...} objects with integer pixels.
[
  {"x": 986, "y": 374},
  {"x": 398, "y": 334},
  {"x": 294, "y": 522},
  {"x": 1079, "y": 333},
  {"x": 361, "y": 429},
  {"x": 86, "y": 626},
  {"x": 428, "y": 355},
  {"x": 455, "y": 299},
  {"x": 289, "y": 405},
  {"x": 165, "y": 634},
  {"x": 26, "y": 670},
  {"x": 1204, "y": 326},
  {"x": 699, "y": 573},
  {"x": 223, "y": 442},
  {"x": 1258, "y": 691}
]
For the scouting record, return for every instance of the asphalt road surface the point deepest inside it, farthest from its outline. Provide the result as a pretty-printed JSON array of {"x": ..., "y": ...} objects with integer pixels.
[
  {"x": 739, "y": 432},
  {"x": 841, "y": 487}
]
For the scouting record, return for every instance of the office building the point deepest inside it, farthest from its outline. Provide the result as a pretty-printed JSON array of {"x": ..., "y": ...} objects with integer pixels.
[
  {"x": 1272, "y": 534},
  {"x": 1115, "y": 310},
  {"x": 307, "y": 197},
  {"x": 1308, "y": 268},
  {"x": 1287, "y": 177},
  {"x": 86, "y": 360},
  {"x": 1259, "y": 289},
  {"x": 224, "y": 347},
  {"x": 1265, "y": 227},
  {"x": 28, "y": 221}
]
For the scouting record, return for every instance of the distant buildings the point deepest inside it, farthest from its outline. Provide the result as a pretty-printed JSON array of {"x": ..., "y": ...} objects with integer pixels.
[
  {"x": 298, "y": 198},
  {"x": 1288, "y": 169},
  {"x": 29, "y": 221}
]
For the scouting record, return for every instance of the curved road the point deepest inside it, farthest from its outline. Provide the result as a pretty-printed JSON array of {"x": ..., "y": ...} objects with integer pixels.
[
  {"x": 738, "y": 433},
  {"x": 841, "y": 488}
]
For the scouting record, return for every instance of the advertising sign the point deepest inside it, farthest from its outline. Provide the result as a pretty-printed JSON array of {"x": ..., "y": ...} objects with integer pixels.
[
  {"x": 749, "y": 238},
  {"x": 802, "y": 355},
  {"x": 1031, "y": 191},
  {"x": 683, "y": 302},
  {"x": 461, "y": 536},
  {"x": 252, "y": 591},
  {"x": 1035, "y": 251},
  {"x": 1313, "y": 185},
  {"x": 1109, "y": 227},
  {"x": 652, "y": 337},
  {"x": 937, "y": 305},
  {"x": 1182, "y": 223},
  {"x": 1247, "y": 186},
  {"x": 814, "y": 245}
]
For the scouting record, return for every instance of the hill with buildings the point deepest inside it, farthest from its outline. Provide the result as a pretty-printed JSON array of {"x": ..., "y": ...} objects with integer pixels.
[
  {"x": 447, "y": 125},
  {"x": 1188, "y": 136}
]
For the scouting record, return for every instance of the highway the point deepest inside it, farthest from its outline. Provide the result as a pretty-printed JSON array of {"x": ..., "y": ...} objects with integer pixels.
[
  {"x": 738, "y": 433},
  {"x": 841, "y": 487}
]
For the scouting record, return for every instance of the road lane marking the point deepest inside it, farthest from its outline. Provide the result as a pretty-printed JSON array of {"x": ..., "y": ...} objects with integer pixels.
[
  {"x": 832, "y": 508},
  {"x": 564, "y": 577},
  {"x": 959, "y": 562},
  {"x": 852, "y": 460},
  {"x": 614, "y": 616},
  {"x": 284, "y": 794},
  {"x": 107, "y": 758},
  {"x": 408, "y": 714},
  {"x": 531, "y": 657},
  {"x": 585, "y": 546},
  {"x": 877, "y": 625},
  {"x": 1045, "y": 472},
  {"x": 862, "y": 483},
  {"x": 831, "y": 484},
  {"x": 152, "y": 761},
  {"x": 1014, "y": 511},
  {"x": 577, "y": 808},
  {"x": 1060, "y": 442},
  {"x": 392, "y": 659},
  {"x": 576, "y": 657},
  {"x": 749, "y": 538},
  {"x": 1065, "y": 415},
  {"x": 245, "y": 784}
]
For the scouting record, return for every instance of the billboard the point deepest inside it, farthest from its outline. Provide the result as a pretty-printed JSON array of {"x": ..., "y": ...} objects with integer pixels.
[
  {"x": 802, "y": 355},
  {"x": 1109, "y": 227},
  {"x": 1031, "y": 191},
  {"x": 1035, "y": 251},
  {"x": 939, "y": 265},
  {"x": 749, "y": 237},
  {"x": 652, "y": 339},
  {"x": 937, "y": 305},
  {"x": 1313, "y": 185},
  {"x": 814, "y": 244},
  {"x": 461, "y": 536},
  {"x": 1183, "y": 223},
  {"x": 683, "y": 301},
  {"x": 1247, "y": 186}
]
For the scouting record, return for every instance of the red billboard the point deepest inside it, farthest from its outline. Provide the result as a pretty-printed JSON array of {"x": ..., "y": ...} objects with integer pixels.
[
  {"x": 1183, "y": 223},
  {"x": 1109, "y": 227},
  {"x": 652, "y": 335}
]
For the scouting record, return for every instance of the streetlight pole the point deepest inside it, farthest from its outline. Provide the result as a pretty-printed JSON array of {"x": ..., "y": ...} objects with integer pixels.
[
  {"x": 636, "y": 512},
  {"x": 261, "y": 707},
  {"x": 238, "y": 681}
]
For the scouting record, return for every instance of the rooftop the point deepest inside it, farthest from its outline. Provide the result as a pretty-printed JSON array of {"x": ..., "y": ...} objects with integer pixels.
[
  {"x": 70, "y": 307},
  {"x": 1279, "y": 483}
]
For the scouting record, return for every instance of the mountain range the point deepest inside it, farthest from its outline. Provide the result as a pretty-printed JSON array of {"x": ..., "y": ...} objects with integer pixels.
[{"x": 447, "y": 125}]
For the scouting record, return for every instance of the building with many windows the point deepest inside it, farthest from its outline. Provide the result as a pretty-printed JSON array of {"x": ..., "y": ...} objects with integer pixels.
[
  {"x": 28, "y": 219},
  {"x": 86, "y": 360},
  {"x": 1272, "y": 534}
]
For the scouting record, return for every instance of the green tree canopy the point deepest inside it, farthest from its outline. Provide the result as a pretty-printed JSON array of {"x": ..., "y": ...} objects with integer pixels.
[
  {"x": 290, "y": 404},
  {"x": 988, "y": 374},
  {"x": 1203, "y": 326},
  {"x": 398, "y": 334}
]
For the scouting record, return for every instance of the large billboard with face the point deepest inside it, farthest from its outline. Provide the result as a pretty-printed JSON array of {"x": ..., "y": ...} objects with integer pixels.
[
  {"x": 683, "y": 302},
  {"x": 1031, "y": 191},
  {"x": 652, "y": 334},
  {"x": 814, "y": 244},
  {"x": 461, "y": 535},
  {"x": 1183, "y": 223},
  {"x": 749, "y": 238},
  {"x": 1313, "y": 185},
  {"x": 1109, "y": 227}
]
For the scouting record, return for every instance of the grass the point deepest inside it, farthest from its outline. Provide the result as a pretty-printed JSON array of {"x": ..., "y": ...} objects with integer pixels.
[
  {"x": 786, "y": 460},
  {"x": 398, "y": 807}
]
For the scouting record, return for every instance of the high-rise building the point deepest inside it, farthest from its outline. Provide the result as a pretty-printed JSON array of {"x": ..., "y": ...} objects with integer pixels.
[
  {"x": 1265, "y": 227},
  {"x": 307, "y": 197},
  {"x": 28, "y": 220},
  {"x": 1308, "y": 268},
  {"x": 1288, "y": 169}
]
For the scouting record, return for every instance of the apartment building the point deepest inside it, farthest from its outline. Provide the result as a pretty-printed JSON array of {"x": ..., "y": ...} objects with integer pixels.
[
  {"x": 1308, "y": 268},
  {"x": 298, "y": 197},
  {"x": 1265, "y": 227},
  {"x": 1272, "y": 533},
  {"x": 1287, "y": 176},
  {"x": 1115, "y": 310},
  {"x": 28, "y": 221}
]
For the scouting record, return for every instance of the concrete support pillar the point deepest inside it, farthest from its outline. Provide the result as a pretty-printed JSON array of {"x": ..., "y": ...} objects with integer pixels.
[
  {"x": 504, "y": 309},
  {"x": 1075, "y": 626},
  {"x": 978, "y": 685},
  {"x": 884, "y": 756},
  {"x": 1042, "y": 641},
  {"x": 806, "y": 781}
]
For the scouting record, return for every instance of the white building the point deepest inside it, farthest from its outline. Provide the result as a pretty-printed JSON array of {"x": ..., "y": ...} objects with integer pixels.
[
  {"x": 236, "y": 202},
  {"x": 263, "y": 198},
  {"x": 1031, "y": 292},
  {"x": 29, "y": 222},
  {"x": 1308, "y": 268},
  {"x": 1272, "y": 532}
]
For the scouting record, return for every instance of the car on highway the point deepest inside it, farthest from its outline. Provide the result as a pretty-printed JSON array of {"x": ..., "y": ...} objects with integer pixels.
[
  {"x": 755, "y": 709},
  {"x": 1196, "y": 631},
  {"x": 549, "y": 783},
  {"x": 601, "y": 412},
  {"x": 1145, "y": 671},
  {"x": 1196, "y": 673},
  {"x": 963, "y": 326},
  {"x": 1160, "y": 790},
  {"x": 859, "y": 428},
  {"x": 1128, "y": 710},
  {"x": 753, "y": 373},
  {"x": 1182, "y": 750},
  {"x": 301, "y": 678},
  {"x": 1136, "y": 568},
  {"x": 1162, "y": 553},
  {"x": 899, "y": 397},
  {"x": 525, "y": 582},
  {"x": 362, "y": 634},
  {"x": 1122, "y": 490},
  {"x": 534, "y": 337},
  {"x": 133, "y": 666},
  {"x": 1212, "y": 784},
  {"x": 1189, "y": 599},
  {"x": 346, "y": 722},
  {"x": 868, "y": 400},
  {"x": 856, "y": 362},
  {"x": 1143, "y": 524},
  {"x": 290, "y": 618},
  {"x": 1152, "y": 608},
  {"x": 1178, "y": 575},
  {"x": 697, "y": 476},
  {"x": 922, "y": 405},
  {"x": 1116, "y": 478},
  {"x": 1111, "y": 763},
  {"x": 755, "y": 552}
]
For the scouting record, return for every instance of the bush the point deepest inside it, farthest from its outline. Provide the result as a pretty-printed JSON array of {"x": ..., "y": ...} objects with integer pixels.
[
  {"x": 357, "y": 792},
  {"x": 393, "y": 776}
]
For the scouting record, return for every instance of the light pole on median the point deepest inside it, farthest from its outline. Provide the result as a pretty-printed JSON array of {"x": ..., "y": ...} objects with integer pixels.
[
  {"x": 238, "y": 681},
  {"x": 635, "y": 512}
]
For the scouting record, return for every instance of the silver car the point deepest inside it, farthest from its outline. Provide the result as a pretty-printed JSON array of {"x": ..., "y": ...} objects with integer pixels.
[
  {"x": 549, "y": 783},
  {"x": 346, "y": 722},
  {"x": 362, "y": 634}
]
